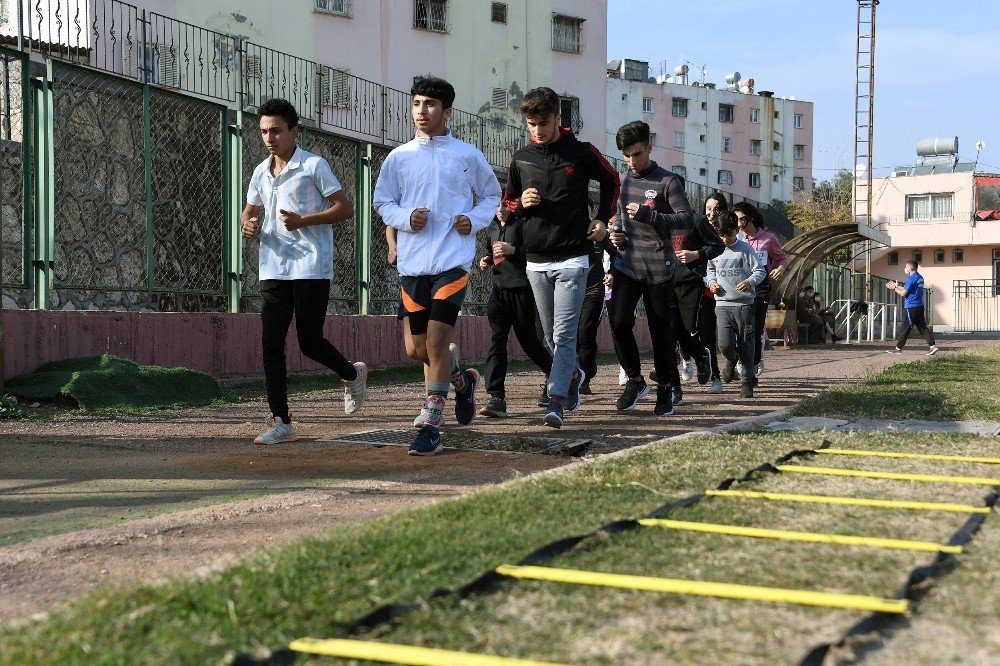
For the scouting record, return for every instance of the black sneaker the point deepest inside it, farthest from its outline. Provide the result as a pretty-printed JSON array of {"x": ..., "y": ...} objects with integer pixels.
[
  {"x": 543, "y": 397},
  {"x": 704, "y": 364},
  {"x": 746, "y": 390},
  {"x": 573, "y": 399},
  {"x": 634, "y": 390},
  {"x": 585, "y": 388},
  {"x": 754, "y": 381},
  {"x": 553, "y": 416},
  {"x": 496, "y": 407},
  {"x": 664, "y": 401},
  {"x": 676, "y": 395},
  {"x": 427, "y": 443},
  {"x": 728, "y": 371},
  {"x": 465, "y": 400}
]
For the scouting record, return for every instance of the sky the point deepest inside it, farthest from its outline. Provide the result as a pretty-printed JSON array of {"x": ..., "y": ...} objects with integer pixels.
[{"x": 937, "y": 65}]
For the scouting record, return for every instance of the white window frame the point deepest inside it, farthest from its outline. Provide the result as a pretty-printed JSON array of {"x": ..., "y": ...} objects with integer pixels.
[
  {"x": 755, "y": 146},
  {"x": 333, "y": 7},
  {"x": 647, "y": 104},
  {"x": 680, "y": 170},
  {"x": 500, "y": 98},
  {"x": 575, "y": 122},
  {"x": 679, "y": 107},
  {"x": 754, "y": 180},
  {"x": 567, "y": 33},
  {"x": 937, "y": 206},
  {"x": 336, "y": 88},
  {"x": 727, "y": 144},
  {"x": 799, "y": 152},
  {"x": 725, "y": 177},
  {"x": 431, "y": 15},
  {"x": 678, "y": 139},
  {"x": 755, "y": 115},
  {"x": 652, "y": 138},
  {"x": 798, "y": 183},
  {"x": 797, "y": 120},
  {"x": 727, "y": 113}
]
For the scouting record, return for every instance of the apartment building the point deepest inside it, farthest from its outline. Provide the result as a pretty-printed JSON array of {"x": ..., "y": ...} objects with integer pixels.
[
  {"x": 747, "y": 142},
  {"x": 946, "y": 215}
]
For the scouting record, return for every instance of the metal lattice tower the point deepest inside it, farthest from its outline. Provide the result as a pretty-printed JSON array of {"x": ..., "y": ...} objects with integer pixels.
[{"x": 864, "y": 126}]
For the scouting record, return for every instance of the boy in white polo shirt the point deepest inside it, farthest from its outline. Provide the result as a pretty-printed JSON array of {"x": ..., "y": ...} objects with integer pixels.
[
  {"x": 427, "y": 190},
  {"x": 301, "y": 199}
]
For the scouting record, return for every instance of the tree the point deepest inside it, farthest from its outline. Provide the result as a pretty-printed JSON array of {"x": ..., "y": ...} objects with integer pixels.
[{"x": 829, "y": 203}]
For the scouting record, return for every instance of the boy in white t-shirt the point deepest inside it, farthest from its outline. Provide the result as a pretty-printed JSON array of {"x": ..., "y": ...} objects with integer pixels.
[{"x": 301, "y": 199}]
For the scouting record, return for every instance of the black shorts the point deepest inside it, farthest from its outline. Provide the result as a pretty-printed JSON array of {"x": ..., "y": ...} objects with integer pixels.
[{"x": 433, "y": 297}]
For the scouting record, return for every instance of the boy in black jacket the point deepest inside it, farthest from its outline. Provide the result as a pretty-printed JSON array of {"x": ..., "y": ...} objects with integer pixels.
[
  {"x": 547, "y": 184},
  {"x": 511, "y": 305}
]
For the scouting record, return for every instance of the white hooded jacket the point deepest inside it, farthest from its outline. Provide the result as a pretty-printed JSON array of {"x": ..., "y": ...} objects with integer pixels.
[{"x": 450, "y": 178}]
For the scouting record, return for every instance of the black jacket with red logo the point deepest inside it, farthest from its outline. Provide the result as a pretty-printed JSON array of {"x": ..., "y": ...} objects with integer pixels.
[{"x": 561, "y": 171}]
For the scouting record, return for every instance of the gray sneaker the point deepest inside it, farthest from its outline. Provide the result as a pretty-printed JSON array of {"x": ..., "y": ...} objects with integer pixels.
[
  {"x": 356, "y": 390},
  {"x": 278, "y": 433},
  {"x": 687, "y": 369},
  {"x": 715, "y": 386}
]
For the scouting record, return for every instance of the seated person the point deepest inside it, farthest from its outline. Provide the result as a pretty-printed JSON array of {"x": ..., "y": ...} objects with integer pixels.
[
  {"x": 829, "y": 321},
  {"x": 807, "y": 316}
]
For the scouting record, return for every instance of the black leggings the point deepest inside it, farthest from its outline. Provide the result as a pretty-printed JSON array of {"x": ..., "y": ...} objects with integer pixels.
[{"x": 625, "y": 295}]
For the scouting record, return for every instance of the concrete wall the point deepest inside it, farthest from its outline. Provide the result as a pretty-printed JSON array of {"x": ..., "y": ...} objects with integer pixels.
[{"x": 219, "y": 344}]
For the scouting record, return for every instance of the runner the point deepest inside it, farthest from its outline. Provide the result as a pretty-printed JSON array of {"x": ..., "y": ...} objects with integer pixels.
[
  {"x": 301, "y": 200},
  {"x": 427, "y": 191}
]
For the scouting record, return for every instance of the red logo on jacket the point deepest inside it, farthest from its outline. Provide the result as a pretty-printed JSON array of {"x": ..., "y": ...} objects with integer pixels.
[{"x": 570, "y": 170}]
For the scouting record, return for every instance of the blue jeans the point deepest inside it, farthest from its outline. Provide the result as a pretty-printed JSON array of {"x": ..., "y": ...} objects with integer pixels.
[{"x": 559, "y": 299}]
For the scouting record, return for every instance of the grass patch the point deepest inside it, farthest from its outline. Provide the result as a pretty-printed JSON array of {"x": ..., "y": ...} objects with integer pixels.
[
  {"x": 949, "y": 386},
  {"x": 316, "y": 586},
  {"x": 98, "y": 383}
]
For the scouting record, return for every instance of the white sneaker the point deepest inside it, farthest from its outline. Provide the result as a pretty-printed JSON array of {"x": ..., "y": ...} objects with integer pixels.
[
  {"x": 278, "y": 432},
  {"x": 740, "y": 371},
  {"x": 687, "y": 369},
  {"x": 760, "y": 366},
  {"x": 715, "y": 386},
  {"x": 422, "y": 418},
  {"x": 933, "y": 350},
  {"x": 453, "y": 350},
  {"x": 622, "y": 377},
  {"x": 355, "y": 391}
]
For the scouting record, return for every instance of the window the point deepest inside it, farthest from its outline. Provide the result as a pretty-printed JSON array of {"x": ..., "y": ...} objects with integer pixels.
[
  {"x": 652, "y": 138},
  {"x": 152, "y": 63},
  {"x": 647, "y": 104},
  {"x": 569, "y": 109},
  {"x": 930, "y": 206},
  {"x": 893, "y": 258},
  {"x": 336, "y": 88},
  {"x": 702, "y": 172},
  {"x": 755, "y": 146},
  {"x": 774, "y": 178},
  {"x": 938, "y": 256},
  {"x": 498, "y": 12},
  {"x": 338, "y": 7},
  {"x": 678, "y": 139},
  {"x": 755, "y": 115},
  {"x": 957, "y": 256},
  {"x": 725, "y": 113},
  {"x": 680, "y": 170},
  {"x": 797, "y": 120},
  {"x": 798, "y": 182},
  {"x": 430, "y": 15},
  {"x": 918, "y": 256},
  {"x": 679, "y": 107},
  {"x": 799, "y": 152},
  {"x": 754, "y": 179},
  {"x": 726, "y": 177},
  {"x": 777, "y": 146},
  {"x": 775, "y": 115},
  {"x": 499, "y": 99},
  {"x": 566, "y": 33},
  {"x": 727, "y": 144},
  {"x": 701, "y": 137}
]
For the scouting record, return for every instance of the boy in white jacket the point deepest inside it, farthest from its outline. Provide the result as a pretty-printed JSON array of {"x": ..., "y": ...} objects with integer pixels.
[{"x": 426, "y": 191}]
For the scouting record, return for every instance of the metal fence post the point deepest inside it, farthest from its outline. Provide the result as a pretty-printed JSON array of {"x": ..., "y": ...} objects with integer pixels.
[
  {"x": 385, "y": 115},
  {"x": 363, "y": 224},
  {"x": 147, "y": 151},
  {"x": 232, "y": 169},
  {"x": 43, "y": 126}
]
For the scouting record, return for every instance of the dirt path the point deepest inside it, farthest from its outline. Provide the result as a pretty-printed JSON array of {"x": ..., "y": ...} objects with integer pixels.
[{"x": 86, "y": 502}]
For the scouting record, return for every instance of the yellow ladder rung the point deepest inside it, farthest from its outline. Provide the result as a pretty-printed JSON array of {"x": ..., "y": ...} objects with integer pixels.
[
  {"x": 808, "y": 537},
  {"x": 927, "y": 478},
  {"x": 403, "y": 654},
  {"x": 706, "y": 588},
  {"x": 911, "y": 456},
  {"x": 851, "y": 501}
]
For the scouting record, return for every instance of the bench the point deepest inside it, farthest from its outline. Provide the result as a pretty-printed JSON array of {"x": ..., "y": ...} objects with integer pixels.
[{"x": 786, "y": 322}]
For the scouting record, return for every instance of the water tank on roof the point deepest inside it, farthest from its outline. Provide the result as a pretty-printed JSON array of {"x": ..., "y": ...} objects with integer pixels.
[{"x": 939, "y": 145}]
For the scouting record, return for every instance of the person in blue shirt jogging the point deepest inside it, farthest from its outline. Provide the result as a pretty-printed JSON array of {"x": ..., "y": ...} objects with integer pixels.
[{"x": 912, "y": 292}]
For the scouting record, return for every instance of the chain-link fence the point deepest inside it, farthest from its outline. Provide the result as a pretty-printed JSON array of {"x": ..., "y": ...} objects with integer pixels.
[
  {"x": 383, "y": 286},
  {"x": 12, "y": 194}
]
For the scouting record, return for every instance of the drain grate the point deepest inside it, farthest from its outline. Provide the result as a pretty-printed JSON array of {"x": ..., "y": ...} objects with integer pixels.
[{"x": 470, "y": 441}]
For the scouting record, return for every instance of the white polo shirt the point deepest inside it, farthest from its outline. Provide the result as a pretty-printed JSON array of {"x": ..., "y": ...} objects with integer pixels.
[{"x": 304, "y": 187}]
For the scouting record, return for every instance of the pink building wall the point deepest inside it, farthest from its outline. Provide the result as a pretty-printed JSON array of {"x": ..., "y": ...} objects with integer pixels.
[{"x": 219, "y": 344}]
